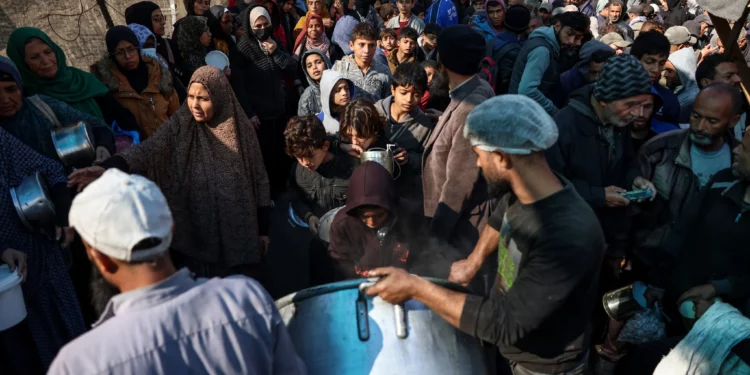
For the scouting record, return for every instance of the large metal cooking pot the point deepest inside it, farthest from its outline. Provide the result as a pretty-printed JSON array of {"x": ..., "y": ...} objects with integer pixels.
[
  {"x": 32, "y": 201},
  {"x": 73, "y": 145},
  {"x": 339, "y": 330}
]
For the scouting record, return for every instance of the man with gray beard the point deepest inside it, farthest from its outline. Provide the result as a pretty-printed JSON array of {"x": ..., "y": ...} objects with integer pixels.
[
  {"x": 682, "y": 162},
  {"x": 595, "y": 148}
]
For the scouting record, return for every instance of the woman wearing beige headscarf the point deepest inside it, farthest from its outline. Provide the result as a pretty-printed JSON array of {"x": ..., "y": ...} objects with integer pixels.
[{"x": 207, "y": 161}]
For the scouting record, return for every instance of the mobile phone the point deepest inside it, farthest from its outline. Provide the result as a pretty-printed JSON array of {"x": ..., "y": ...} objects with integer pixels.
[{"x": 635, "y": 195}]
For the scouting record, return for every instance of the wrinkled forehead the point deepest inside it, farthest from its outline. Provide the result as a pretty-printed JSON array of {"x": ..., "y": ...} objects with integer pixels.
[{"x": 214, "y": 81}]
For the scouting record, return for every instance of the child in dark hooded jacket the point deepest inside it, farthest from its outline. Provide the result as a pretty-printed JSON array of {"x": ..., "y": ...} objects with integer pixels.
[{"x": 373, "y": 231}]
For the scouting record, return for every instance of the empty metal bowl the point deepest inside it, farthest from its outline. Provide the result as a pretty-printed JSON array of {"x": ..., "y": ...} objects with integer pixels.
[
  {"x": 32, "y": 201},
  {"x": 73, "y": 145}
]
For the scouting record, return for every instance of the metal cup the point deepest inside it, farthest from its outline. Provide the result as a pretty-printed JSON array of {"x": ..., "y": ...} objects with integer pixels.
[
  {"x": 620, "y": 304},
  {"x": 74, "y": 145}
]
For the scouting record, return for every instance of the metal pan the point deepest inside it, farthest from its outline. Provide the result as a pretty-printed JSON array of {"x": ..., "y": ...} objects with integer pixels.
[
  {"x": 73, "y": 145},
  {"x": 32, "y": 202}
]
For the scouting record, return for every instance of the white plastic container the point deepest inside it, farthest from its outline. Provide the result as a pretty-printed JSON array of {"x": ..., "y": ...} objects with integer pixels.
[
  {"x": 217, "y": 59},
  {"x": 12, "y": 305}
]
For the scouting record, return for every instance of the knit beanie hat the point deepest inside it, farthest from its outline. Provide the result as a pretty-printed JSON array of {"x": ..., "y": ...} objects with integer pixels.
[
  {"x": 517, "y": 19},
  {"x": 116, "y": 35},
  {"x": 460, "y": 49},
  {"x": 622, "y": 77}
]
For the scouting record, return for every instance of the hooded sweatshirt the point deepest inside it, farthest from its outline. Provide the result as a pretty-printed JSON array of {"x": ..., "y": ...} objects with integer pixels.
[
  {"x": 482, "y": 24},
  {"x": 354, "y": 247},
  {"x": 577, "y": 77},
  {"x": 327, "y": 83},
  {"x": 535, "y": 73},
  {"x": 309, "y": 102},
  {"x": 685, "y": 62}
]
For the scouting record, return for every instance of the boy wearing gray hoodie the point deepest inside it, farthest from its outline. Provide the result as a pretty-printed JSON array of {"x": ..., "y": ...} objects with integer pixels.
[{"x": 313, "y": 62}]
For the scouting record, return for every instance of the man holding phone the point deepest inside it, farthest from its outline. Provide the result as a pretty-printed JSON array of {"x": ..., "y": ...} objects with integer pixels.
[{"x": 595, "y": 149}]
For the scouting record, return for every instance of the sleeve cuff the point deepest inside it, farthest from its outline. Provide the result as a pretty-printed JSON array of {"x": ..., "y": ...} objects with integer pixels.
[
  {"x": 116, "y": 161},
  {"x": 470, "y": 314},
  {"x": 723, "y": 287},
  {"x": 264, "y": 220},
  {"x": 598, "y": 196},
  {"x": 103, "y": 137}
]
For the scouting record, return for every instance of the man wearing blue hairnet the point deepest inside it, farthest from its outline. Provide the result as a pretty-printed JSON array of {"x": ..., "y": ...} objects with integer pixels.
[{"x": 549, "y": 242}]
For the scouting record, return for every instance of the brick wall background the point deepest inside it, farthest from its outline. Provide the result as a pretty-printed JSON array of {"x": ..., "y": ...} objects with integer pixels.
[{"x": 81, "y": 36}]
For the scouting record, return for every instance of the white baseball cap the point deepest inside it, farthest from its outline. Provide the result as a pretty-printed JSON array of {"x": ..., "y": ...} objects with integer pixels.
[{"x": 118, "y": 211}]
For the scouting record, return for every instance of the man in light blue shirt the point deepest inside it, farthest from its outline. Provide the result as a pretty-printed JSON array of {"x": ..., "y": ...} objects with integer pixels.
[{"x": 163, "y": 321}]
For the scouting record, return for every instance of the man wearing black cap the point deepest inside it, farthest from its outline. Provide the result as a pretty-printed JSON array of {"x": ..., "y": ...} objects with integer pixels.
[
  {"x": 536, "y": 72},
  {"x": 504, "y": 48},
  {"x": 455, "y": 194}
]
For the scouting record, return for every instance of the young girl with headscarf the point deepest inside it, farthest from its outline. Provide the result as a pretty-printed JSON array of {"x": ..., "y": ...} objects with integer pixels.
[{"x": 313, "y": 36}]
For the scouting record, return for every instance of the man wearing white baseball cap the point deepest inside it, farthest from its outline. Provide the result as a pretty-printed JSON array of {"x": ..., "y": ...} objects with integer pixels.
[{"x": 163, "y": 321}]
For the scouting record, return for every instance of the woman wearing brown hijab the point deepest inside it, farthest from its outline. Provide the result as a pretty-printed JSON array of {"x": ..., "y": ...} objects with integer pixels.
[{"x": 207, "y": 161}]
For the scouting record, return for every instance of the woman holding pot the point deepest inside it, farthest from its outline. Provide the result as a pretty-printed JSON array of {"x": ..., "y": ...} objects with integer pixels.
[
  {"x": 22, "y": 117},
  {"x": 207, "y": 161},
  {"x": 139, "y": 83},
  {"x": 44, "y": 71},
  {"x": 258, "y": 72},
  {"x": 53, "y": 315}
]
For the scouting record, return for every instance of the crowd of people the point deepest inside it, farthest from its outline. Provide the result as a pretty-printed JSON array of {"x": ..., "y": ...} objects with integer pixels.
[{"x": 515, "y": 133}]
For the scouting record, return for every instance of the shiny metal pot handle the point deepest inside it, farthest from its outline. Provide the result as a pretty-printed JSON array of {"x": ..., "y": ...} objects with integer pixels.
[{"x": 363, "y": 325}]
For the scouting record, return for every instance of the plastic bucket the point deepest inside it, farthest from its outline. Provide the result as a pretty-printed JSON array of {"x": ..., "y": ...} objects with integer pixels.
[{"x": 12, "y": 306}]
